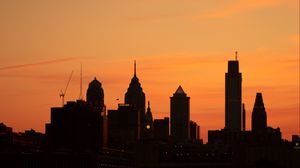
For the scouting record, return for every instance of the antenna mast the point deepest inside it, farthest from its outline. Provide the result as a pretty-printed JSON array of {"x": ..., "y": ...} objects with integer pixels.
[
  {"x": 236, "y": 55},
  {"x": 134, "y": 67},
  {"x": 80, "y": 93}
]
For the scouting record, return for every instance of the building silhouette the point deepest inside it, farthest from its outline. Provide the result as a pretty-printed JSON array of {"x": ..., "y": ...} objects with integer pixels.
[
  {"x": 95, "y": 96},
  {"x": 6, "y": 136},
  {"x": 244, "y": 118},
  {"x": 148, "y": 124},
  {"x": 78, "y": 125},
  {"x": 233, "y": 97},
  {"x": 180, "y": 116},
  {"x": 123, "y": 127},
  {"x": 259, "y": 115},
  {"x": 95, "y": 102},
  {"x": 194, "y": 131},
  {"x": 136, "y": 97},
  {"x": 161, "y": 129},
  {"x": 74, "y": 127}
]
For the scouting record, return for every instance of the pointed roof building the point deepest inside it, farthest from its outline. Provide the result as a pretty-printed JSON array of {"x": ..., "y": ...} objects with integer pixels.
[
  {"x": 180, "y": 116},
  {"x": 148, "y": 116},
  {"x": 148, "y": 124},
  {"x": 136, "y": 97},
  {"x": 179, "y": 90},
  {"x": 134, "y": 86},
  {"x": 259, "y": 115}
]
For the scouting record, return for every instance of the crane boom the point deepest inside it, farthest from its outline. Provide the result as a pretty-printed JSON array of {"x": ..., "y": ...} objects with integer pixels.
[
  {"x": 62, "y": 94},
  {"x": 68, "y": 83}
]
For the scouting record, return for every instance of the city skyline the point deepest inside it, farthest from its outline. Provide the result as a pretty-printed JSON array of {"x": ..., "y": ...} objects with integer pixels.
[
  {"x": 38, "y": 57},
  {"x": 117, "y": 101}
]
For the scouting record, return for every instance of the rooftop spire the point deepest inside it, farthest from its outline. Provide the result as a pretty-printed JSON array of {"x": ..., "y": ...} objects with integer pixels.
[
  {"x": 259, "y": 103},
  {"x": 179, "y": 90},
  {"x": 134, "y": 67},
  {"x": 236, "y": 55}
]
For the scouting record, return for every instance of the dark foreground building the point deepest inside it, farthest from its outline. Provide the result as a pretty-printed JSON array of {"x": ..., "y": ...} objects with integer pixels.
[
  {"x": 194, "y": 131},
  {"x": 123, "y": 132},
  {"x": 161, "y": 129},
  {"x": 74, "y": 128},
  {"x": 78, "y": 126}
]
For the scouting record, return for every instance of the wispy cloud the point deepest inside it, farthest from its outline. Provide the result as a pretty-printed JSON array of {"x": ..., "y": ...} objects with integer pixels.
[
  {"x": 37, "y": 63},
  {"x": 238, "y": 7}
]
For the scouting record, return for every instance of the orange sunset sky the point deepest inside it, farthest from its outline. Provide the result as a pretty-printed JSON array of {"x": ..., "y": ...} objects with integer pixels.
[{"x": 175, "y": 42}]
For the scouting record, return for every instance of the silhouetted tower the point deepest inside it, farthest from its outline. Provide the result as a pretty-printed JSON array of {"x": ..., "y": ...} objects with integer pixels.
[
  {"x": 244, "y": 118},
  {"x": 95, "y": 103},
  {"x": 95, "y": 96},
  {"x": 259, "y": 115},
  {"x": 180, "y": 116},
  {"x": 148, "y": 124},
  {"x": 136, "y": 97},
  {"x": 233, "y": 96}
]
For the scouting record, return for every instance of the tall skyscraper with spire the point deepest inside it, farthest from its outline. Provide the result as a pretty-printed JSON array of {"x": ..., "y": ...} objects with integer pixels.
[
  {"x": 233, "y": 96},
  {"x": 259, "y": 115},
  {"x": 180, "y": 116},
  {"x": 136, "y": 97}
]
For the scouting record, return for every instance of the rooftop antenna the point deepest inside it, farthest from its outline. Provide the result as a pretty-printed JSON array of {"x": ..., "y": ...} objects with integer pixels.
[
  {"x": 80, "y": 93},
  {"x": 134, "y": 67},
  {"x": 63, "y": 93},
  {"x": 236, "y": 55}
]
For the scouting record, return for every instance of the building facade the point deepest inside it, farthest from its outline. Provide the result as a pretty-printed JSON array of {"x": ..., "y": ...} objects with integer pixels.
[
  {"x": 180, "y": 116},
  {"x": 233, "y": 97},
  {"x": 123, "y": 127},
  {"x": 161, "y": 129}
]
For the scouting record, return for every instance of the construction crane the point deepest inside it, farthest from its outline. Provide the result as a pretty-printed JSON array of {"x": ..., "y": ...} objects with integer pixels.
[{"x": 63, "y": 93}]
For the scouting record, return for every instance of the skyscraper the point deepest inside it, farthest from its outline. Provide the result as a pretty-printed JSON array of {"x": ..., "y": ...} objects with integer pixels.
[
  {"x": 233, "y": 97},
  {"x": 136, "y": 97},
  {"x": 180, "y": 116},
  {"x": 259, "y": 115},
  {"x": 95, "y": 96},
  {"x": 95, "y": 102}
]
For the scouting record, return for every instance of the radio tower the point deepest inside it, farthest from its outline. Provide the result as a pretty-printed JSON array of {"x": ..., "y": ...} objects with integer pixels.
[{"x": 80, "y": 92}]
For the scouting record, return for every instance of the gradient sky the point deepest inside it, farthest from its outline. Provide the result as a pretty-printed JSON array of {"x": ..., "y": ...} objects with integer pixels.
[{"x": 175, "y": 42}]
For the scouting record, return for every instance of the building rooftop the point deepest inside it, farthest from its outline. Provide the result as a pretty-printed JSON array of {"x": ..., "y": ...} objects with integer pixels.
[{"x": 179, "y": 90}]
